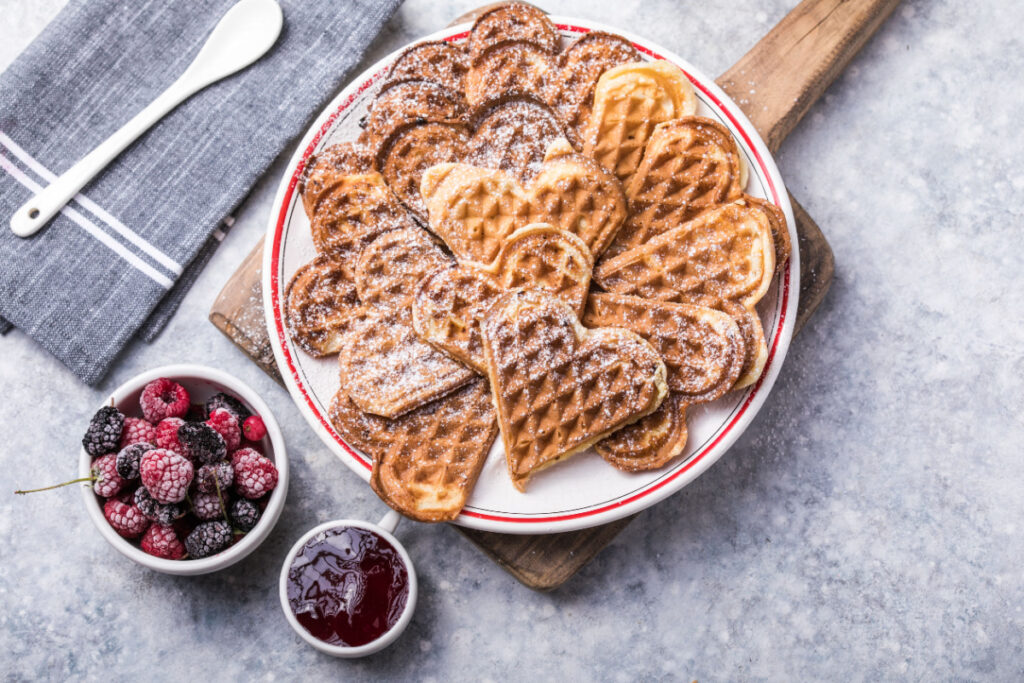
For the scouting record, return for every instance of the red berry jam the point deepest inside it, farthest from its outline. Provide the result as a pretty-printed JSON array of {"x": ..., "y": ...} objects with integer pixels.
[{"x": 348, "y": 586}]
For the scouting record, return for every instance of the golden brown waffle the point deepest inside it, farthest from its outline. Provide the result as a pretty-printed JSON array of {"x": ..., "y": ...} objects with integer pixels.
[
  {"x": 513, "y": 135},
  {"x": 702, "y": 348},
  {"x": 572, "y": 93},
  {"x": 651, "y": 441},
  {"x": 559, "y": 387},
  {"x": 393, "y": 264},
  {"x": 327, "y": 166},
  {"x": 415, "y": 149},
  {"x": 407, "y": 102},
  {"x": 473, "y": 209},
  {"x": 629, "y": 101},
  {"x": 690, "y": 165},
  {"x": 387, "y": 370},
  {"x": 574, "y": 193},
  {"x": 511, "y": 68},
  {"x": 352, "y": 213},
  {"x": 725, "y": 254},
  {"x": 514, "y": 21},
  {"x": 780, "y": 233},
  {"x": 755, "y": 349},
  {"x": 438, "y": 61},
  {"x": 319, "y": 299},
  {"x": 426, "y": 462},
  {"x": 451, "y": 303}
]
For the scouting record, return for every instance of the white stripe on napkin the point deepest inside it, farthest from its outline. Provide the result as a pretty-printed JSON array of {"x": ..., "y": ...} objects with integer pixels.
[
  {"x": 90, "y": 227},
  {"x": 94, "y": 208}
]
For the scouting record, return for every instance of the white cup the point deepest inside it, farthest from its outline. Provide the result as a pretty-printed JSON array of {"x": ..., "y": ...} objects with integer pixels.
[{"x": 384, "y": 529}]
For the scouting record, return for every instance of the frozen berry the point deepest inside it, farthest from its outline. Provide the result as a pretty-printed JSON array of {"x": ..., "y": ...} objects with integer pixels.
[
  {"x": 225, "y": 423},
  {"x": 207, "y": 506},
  {"x": 209, "y": 477},
  {"x": 126, "y": 519},
  {"x": 166, "y": 475},
  {"x": 207, "y": 539},
  {"x": 255, "y": 475},
  {"x": 253, "y": 428},
  {"x": 107, "y": 481},
  {"x": 167, "y": 434},
  {"x": 163, "y": 398},
  {"x": 104, "y": 432},
  {"x": 161, "y": 513},
  {"x": 202, "y": 443},
  {"x": 229, "y": 403},
  {"x": 161, "y": 541},
  {"x": 137, "y": 430},
  {"x": 128, "y": 459},
  {"x": 244, "y": 514}
]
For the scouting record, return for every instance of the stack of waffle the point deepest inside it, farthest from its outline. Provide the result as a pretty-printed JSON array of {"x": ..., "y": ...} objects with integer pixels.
[{"x": 540, "y": 242}]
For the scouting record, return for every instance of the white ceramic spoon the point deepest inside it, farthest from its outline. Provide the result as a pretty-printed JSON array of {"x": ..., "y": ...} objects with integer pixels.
[{"x": 241, "y": 37}]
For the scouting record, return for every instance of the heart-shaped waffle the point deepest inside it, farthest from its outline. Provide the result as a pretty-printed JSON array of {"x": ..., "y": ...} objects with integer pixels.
[
  {"x": 451, "y": 302},
  {"x": 353, "y": 212},
  {"x": 412, "y": 151},
  {"x": 385, "y": 368},
  {"x": 510, "y": 68},
  {"x": 581, "y": 64},
  {"x": 407, "y": 102},
  {"x": 512, "y": 134},
  {"x": 559, "y": 387},
  {"x": 725, "y": 254},
  {"x": 319, "y": 299},
  {"x": 425, "y": 462},
  {"x": 689, "y": 165},
  {"x": 629, "y": 101},
  {"x": 438, "y": 61},
  {"x": 512, "y": 21},
  {"x": 651, "y": 441},
  {"x": 327, "y": 167}
]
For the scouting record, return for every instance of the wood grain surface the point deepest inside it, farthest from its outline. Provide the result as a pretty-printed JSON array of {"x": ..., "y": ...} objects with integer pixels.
[{"x": 787, "y": 70}]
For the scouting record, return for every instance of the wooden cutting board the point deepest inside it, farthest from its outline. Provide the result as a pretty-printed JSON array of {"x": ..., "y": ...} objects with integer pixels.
[{"x": 775, "y": 84}]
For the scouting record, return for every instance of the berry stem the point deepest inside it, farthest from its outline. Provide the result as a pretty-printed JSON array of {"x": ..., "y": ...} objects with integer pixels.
[
  {"x": 220, "y": 499},
  {"x": 56, "y": 486}
]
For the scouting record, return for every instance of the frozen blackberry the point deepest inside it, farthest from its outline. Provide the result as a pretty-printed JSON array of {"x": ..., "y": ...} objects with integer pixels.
[
  {"x": 161, "y": 513},
  {"x": 229, "y": 403},
  {"x": 207, "y": 506},
  {"x": 244, "y": 514},
  {"x": 208, "y": 539},
  {"x": 202, "y": 443},
  {"x": 209, "y": 477},
  {"x": 104, "y": 432},
  {"x": 128, "y": 459}
]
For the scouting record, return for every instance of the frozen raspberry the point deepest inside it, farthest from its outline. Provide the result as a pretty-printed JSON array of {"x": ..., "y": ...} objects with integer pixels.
[
  {"x": 126, "y": 519},
  {"x": 229, "y": 403},
  {"x": 207, "y": 506},
  {"x": 167, "y": 434},
  {"x": 161, "y": 513},
  {"x": 207, "y": 539},
  {"x": 108, "y": 482},
  {"x": 225, "y": 423},
  {"x": 137, "y": 430},
  {"x": 244, "y": 514},
  {"x": 166, "y": 475},
  {"x": 128, "y": 459},
  {"x": 255, "y": 475},
  {"x": 104, "y": 432},
  {"x": 161, "y": 541},
  {"x": 209, "y": 477},
  {"x": 202, "y": 443},
  {"x": 163, "y": 398},
  {"x": 253, "y": 428}
]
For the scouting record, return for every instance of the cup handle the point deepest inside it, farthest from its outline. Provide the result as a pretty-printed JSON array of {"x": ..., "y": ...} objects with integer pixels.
[{"x": 390, "y": 521}]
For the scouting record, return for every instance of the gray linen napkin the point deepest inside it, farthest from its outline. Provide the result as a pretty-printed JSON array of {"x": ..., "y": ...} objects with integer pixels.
[{"x": 116, "y": 261}]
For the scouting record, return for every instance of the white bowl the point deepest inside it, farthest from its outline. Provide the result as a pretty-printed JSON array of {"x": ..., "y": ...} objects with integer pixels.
[
  {"x": 201, "y": 383},
  {"x": 410, "y": 605}
]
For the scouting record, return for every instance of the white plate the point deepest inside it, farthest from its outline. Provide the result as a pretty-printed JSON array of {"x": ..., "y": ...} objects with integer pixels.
[{"x": 584, "y": 491}]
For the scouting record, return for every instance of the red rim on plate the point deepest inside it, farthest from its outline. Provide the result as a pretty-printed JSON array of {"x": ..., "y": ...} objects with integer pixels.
[{"x": 672, "y": 478}]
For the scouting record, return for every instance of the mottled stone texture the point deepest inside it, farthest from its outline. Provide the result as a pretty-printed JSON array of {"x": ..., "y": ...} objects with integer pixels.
[{"x": 866, "y": 527}]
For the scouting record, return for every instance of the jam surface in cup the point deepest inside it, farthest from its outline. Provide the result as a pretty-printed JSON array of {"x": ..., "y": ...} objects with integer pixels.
[{"x": 348, "y": 586}]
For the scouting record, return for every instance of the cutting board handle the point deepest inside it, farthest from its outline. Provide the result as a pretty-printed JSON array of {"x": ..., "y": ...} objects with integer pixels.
[{"x": 788, "y": 70}]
